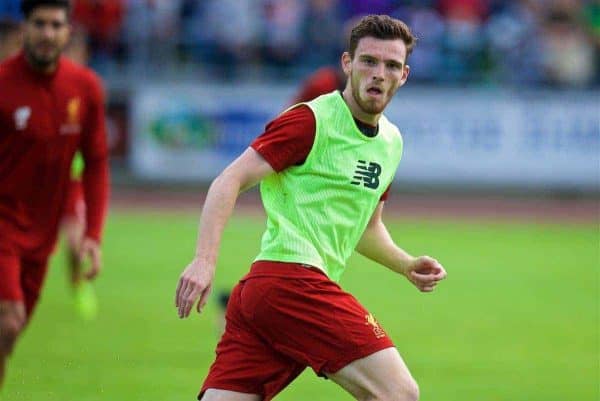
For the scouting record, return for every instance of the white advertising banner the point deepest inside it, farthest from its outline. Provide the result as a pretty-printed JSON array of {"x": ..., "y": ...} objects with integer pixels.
[{"x": 537, "y": 140}]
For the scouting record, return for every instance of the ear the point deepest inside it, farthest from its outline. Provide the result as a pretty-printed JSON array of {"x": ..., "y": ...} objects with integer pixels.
[
  {"x": 346, "y": 63},
  {"x": 405, "y": 74}
]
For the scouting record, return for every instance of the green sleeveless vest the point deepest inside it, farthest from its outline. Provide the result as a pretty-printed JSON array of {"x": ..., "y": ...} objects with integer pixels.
[{"x": 317, "y": 212}]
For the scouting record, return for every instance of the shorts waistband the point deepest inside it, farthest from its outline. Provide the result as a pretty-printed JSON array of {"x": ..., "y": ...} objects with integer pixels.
[{"x": 284, "y": 269}]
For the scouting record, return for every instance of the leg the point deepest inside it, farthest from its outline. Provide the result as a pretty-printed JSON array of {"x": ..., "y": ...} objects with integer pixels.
[
  {"x": 72, "y": 229},
  {"x": 223, "y": 395},
  {"x": 12, "y": 322},
  {"x": 246, "y": 368},
  {"x": 382, "y": 376},
  {"x": 314, "y": 322},
  {"x": 12, "y": 306}
]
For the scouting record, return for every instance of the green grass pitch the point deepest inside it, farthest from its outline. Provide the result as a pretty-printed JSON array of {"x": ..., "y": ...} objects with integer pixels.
[{"x": 516, "y": 320}]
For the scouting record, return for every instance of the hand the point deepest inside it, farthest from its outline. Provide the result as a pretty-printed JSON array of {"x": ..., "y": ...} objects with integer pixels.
[
  {"x": 90, "y": 248},
  {"x": 425, "y": 272},
  {"x": 195, "y": 282}
]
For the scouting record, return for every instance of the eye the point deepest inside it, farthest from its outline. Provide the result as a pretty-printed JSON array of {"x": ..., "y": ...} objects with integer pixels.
[
  {"x": 370, "y": 62},
  {"x": 393, "y": 66}
]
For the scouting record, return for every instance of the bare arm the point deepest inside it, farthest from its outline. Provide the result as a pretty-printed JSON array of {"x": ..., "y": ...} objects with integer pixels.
[
  {"x": 377, "y": 244},
  {"x": 196, "y": 280}
]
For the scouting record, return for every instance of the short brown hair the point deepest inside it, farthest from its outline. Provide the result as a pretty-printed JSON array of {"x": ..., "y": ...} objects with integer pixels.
[
  {"x": 381, "y": 27},
  {"x": 27, "y": 6}
]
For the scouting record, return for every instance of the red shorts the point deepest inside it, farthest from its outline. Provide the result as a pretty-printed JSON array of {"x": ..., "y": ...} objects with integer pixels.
[
  {"x": 283, "y": 317},
  {"x": 21, "y": 278}
]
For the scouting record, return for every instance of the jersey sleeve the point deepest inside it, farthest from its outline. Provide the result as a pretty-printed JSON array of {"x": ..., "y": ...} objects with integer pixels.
[
  {"x": 288, "y": 139},
  {"x": 95, "y": 156},
  {"x": 386, "y": 194}
]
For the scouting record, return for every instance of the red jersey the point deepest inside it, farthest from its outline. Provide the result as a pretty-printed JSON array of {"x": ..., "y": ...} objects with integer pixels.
[{"x": 44, "y": 120}]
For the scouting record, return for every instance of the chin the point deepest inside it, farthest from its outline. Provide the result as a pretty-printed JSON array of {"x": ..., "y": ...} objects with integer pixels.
[
  {"x": 45, "y": 61},
  {"x": 371, "y": 109}
]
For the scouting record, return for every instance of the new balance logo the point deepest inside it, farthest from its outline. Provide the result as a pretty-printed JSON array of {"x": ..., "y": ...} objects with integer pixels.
[{"x": 367, "y": 174}]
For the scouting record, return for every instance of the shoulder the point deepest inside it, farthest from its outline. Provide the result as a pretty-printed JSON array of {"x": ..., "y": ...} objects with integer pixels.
[
  {"x": 298, "y": 114},
  {"x": 83, "y": 75},
  {"x": 390, "y": 128}
]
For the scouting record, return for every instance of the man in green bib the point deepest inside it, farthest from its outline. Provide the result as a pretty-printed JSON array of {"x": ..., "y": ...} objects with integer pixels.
[{"x": 324, "y": 169}]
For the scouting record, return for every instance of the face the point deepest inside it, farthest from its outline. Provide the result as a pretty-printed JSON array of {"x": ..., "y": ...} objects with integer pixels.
[
  {"x": 46, "y": 33},
  {"x": 375, "y": 73}
]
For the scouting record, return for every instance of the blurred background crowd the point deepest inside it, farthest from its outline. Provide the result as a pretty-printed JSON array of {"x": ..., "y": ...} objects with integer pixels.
[{"x": 475, "y": 42}]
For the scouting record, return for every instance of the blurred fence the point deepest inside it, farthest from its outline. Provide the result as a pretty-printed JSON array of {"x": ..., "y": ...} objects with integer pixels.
[{"x": 470, "y": 137}]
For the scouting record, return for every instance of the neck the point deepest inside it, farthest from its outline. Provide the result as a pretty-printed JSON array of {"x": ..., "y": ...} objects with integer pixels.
[
  {"x": 357, "y": 111},
  {"x": 45, "y": 69}
]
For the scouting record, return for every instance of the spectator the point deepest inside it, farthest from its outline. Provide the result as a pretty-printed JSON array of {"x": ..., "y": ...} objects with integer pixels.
[
  {"x": 568, "y": 52},
  {"x": 102, "y": 21},
  {"x": 232, "y": 44},
  {"x": 283, "y": 22},
  {"x": 463, "y": 45},
  {"x": 322, "y": 26}
]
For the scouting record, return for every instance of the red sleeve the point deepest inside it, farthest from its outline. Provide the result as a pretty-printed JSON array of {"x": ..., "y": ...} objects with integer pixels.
[
  {"x": 95, "y": 155},
  {"x": 287, "y": 139},
  {"x": 386, "y": 194}
]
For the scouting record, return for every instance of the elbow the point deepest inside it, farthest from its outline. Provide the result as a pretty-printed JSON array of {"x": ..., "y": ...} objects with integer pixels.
[{"x": 225, "y": 182}]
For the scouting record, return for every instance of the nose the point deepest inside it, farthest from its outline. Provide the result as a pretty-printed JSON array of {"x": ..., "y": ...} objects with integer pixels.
[
  {"x": 48, "y": 31},
  {"x": 378, "y": 72}
]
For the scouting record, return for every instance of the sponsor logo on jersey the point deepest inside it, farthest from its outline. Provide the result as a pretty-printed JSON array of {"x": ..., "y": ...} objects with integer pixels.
[
  {"x": 22, "y": 115},
  {"x": 367, "y": 174}
]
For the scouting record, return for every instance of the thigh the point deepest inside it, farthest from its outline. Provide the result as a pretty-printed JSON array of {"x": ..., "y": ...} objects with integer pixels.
[
  {"x": 33, "y": 275},
  {"x": 376, "y": 375},
  {"x": 312, "y": 321},
  {"x": 225, "y": 395},
  {"x": 12, "y": 316},
  {"x": 10, "y": 275},
  {"x": 245, "y": 366},
  {"x": 12, "y": 308}
]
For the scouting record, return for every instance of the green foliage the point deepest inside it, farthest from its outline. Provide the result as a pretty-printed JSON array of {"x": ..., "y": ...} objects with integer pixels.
[{"x": 517, "y": 318}]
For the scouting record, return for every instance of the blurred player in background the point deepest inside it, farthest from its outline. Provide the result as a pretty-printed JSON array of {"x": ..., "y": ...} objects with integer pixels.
[
  {"x": 50, "y": 107},
  {"x": 322, "y": 81},
  {"x": 73, "y": 222},
  {"x": 324, "y": 168}
]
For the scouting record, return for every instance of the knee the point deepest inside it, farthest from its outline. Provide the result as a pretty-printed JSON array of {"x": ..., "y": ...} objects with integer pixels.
[
  {"x": 10, "y": 328},
  {"x": 409, "y": 391}
]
